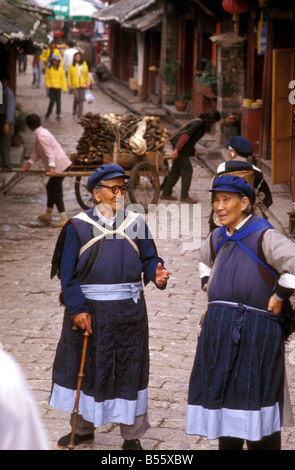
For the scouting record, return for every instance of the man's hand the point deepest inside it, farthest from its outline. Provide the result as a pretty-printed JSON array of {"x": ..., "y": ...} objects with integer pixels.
[
  {"x": 83, "y": 320},
  {"x": 162, "y": 275},
  {"x": 274, "y": 305}
]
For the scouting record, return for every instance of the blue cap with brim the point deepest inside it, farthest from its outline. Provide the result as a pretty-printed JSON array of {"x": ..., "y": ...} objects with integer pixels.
[
  {"x": 241, "y": 145},
  {"x": 234, "y": 184},
  {"x": 105, "y": 172}
]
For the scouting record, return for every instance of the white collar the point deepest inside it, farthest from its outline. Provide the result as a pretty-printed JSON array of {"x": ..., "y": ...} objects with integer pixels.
[
  {"x": 240, "y": 225},
  {"x": 102, "y": 218}
]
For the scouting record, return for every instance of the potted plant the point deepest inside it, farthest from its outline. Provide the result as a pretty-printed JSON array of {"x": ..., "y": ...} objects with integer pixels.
[
  {"x": 170, "y": 71},
  {"x": 181, "y": 102},
  {"x": 205, "y": 88},
  {"x": 19, "y": 126},
  {"x": 208, "y": 77}
]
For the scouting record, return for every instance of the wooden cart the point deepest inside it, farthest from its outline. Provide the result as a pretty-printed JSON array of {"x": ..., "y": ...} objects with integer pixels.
[{"x": 143, "y": 185}]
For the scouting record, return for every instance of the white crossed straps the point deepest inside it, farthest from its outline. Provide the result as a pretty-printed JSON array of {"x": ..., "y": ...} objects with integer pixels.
[{"x": 131, "y": 217}]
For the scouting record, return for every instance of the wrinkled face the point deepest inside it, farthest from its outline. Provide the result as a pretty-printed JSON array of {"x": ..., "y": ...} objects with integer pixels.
[
  {"x": 110, "y": 203},
  {"x": 229, "y": 208}
]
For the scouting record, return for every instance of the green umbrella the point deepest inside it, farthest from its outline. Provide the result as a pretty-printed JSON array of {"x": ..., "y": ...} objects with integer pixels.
[{"x": 76, "y": 10}]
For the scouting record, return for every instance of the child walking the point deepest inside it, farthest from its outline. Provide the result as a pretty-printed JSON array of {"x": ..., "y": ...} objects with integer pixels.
[{"x": 55, "y": 82}]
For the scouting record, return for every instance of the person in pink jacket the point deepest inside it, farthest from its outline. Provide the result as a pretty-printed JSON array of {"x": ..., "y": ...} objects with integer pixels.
[{"x": 55, "y": 161}]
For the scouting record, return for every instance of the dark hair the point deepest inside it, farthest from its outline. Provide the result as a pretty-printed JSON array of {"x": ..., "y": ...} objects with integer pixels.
[
  {"x": 210, "y": 117},
  {"x": 5, "y": 76},
  {"x": 249, "y": 209},
  {"x": 51, "y": 63},
  {"x": 74, "y": 58},
  {"x": 33, "y": 121}
]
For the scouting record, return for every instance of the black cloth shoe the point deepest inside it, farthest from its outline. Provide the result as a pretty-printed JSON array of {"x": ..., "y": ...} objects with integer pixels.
[
  {"x": 189, "y": 200},
  {"x": 65, "y": 440},
  {"x": 133, "y": 444},
  {"x": 169, "y": 198}
]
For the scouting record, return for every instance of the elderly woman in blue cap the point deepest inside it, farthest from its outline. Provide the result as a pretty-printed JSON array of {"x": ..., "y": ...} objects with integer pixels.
[
  {"x": 101, "y": 256},
  {"x": 237, "y": 384},
  {"x": 239, "y": 149},
  {"x": 241, "y": 158}
]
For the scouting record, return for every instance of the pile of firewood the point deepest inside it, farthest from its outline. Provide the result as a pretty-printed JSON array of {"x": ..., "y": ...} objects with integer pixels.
[{"x": 102, "y": 134}]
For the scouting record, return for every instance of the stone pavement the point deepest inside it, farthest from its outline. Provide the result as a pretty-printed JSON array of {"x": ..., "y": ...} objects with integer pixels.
[{"x": 31, "y": 317}]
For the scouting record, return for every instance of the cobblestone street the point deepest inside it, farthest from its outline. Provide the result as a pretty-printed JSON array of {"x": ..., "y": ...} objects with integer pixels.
[{"x": 31, "y": 317}]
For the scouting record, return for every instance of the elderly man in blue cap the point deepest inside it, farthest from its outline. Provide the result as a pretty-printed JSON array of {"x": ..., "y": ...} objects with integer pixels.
[
  {"x": 102, "y": 257},
  {"x": 237, "y": 387}
]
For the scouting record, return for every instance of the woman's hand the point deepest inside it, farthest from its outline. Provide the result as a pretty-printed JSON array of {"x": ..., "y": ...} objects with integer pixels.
[
  {"x": 274, "y": 305},
  {"x": 83, "y": 321},
  {"x": 6, "y": 128},
  {"x": 26, "y": 167},
  {"x": 51, "y": 171},
  {"x": 162, "y": 275}
]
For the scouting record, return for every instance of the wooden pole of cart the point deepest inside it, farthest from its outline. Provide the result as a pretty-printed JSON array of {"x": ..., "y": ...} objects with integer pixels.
[{"x": 79, "y": 385}]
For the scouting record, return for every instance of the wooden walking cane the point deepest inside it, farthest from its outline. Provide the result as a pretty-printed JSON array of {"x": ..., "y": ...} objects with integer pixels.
[{"x": 79, "y": 385}]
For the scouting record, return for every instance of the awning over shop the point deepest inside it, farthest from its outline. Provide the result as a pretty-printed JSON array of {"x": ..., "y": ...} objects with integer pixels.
[
  {"x": 125, "y": 10},
  {"x": 146, "y": 21},
  {"x": 21, "y": 23}
]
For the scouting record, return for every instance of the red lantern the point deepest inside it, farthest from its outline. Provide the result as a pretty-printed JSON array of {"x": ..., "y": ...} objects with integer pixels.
[{"x": 236, "y": 7}]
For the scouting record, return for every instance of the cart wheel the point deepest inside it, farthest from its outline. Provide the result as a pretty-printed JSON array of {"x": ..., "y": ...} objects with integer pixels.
[
  {"x": 83, "y": 196},
  {"x": 144, "y": 185}
]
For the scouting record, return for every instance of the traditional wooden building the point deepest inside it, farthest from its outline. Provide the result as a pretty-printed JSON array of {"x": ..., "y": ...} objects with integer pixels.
[
  {"x": 244, "y": 48},
  {"x": 135, "y": 42},
  {"x": 145, "y": 34},
  {"x": 20, "y": 26},
  {"x": 268, "y": 117}
]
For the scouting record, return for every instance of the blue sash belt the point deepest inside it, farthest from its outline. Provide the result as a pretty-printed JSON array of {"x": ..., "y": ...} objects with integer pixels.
[{"x": 113, "y": 291}]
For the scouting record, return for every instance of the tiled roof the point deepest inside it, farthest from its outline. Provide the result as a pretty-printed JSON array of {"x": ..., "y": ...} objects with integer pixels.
[
  {"x": 124, "y": 10},
  {"x": 21, "y": 22}
]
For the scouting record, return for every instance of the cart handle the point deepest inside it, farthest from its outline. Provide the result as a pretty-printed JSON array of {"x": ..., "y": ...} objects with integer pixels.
[{"x": 62, "y": 173}]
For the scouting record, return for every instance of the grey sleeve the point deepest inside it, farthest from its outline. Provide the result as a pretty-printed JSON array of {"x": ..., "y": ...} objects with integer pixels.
[
  {"x": 279, "y": 252},
  {"x": 10, "y": 107}
]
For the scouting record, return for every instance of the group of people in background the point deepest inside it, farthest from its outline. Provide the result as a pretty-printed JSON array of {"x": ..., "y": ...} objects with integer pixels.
[{"x": 70, "y": 71}]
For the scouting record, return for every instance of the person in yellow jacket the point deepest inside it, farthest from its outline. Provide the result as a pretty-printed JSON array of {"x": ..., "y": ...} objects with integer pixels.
[
  {"x": 55, "y": 82},
  {"x": 48, "y": 53},
  {"x": 78, "y": 80}
]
